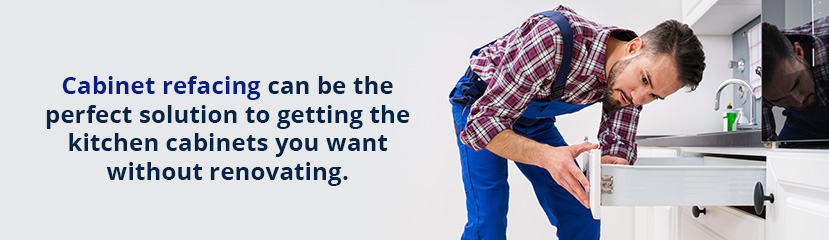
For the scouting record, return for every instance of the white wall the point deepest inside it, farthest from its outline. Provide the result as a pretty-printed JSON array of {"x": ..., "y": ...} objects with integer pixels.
[
  {"x": 526, "y": 220},
  {"x": 412, "y": 191}
]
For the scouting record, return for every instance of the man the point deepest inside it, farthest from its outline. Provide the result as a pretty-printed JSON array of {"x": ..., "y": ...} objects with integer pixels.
[
  {"x": 557, "y": 63},
  {"x": 796, "y": 68}
]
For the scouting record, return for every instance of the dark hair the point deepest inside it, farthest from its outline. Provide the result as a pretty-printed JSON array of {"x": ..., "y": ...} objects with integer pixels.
[
  {"x": 805, "y": 43},
  {"x": 678, "y": 40},
  {"x": 776, "y": 47}
]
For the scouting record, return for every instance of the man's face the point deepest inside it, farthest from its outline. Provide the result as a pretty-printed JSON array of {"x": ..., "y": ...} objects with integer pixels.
[
  {"x": 640, "y": 79},
  {"x": 792, "y": 86}
]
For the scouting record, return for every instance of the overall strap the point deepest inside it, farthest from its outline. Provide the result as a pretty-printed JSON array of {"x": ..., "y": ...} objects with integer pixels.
[
  {"x": 566, "y": 59},
  {"x": 471, "y": 89}
]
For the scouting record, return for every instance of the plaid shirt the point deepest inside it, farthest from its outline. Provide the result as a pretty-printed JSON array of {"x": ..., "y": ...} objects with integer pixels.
[
  {"x": 522, "y": 66},
  {"x": 819, "y": 31}
]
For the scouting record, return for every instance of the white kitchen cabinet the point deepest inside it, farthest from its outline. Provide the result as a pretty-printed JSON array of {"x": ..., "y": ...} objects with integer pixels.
[
  {"x": 654, "y": 189},
  {"x": 719, "y": 222},
  {"x": 655, "y": 222},
  {"x": 798, "y": 180},
  {"x": 642, "y": 222},
  {"x": 674, "y": 181},
  {"x": 719, "y": 17},
  {"x": 690, "y": 230}
]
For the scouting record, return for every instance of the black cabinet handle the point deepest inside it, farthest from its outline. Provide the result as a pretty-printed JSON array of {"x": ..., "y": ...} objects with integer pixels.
[
  {"x": 760, "y": 198},
  {"x": 696, "y": 211}
]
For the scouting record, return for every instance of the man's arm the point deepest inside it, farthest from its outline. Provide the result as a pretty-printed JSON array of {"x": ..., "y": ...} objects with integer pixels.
[
  {"x": 556, "y": 160},
  {"x": 769, "y": 128},
  {"x": 617, "y": 135},
  {"x": 614, "y": 159},
  {"x": 531, "y": 60}
]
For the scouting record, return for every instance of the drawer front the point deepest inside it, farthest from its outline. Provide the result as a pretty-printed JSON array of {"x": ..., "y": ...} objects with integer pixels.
[
  {"x": 674, "y": 182},
  {"x": 690, "y": 230},
  {"x": 720, "y": 223}
]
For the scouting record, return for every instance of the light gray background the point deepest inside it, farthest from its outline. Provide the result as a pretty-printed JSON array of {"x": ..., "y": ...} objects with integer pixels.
[{"x": 412, "y": 191}]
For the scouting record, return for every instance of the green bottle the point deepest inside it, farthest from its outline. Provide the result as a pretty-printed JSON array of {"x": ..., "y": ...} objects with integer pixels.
[{"x": 728, "y": 118}]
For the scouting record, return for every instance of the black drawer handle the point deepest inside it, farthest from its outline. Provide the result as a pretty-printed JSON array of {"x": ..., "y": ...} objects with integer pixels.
[
  {"x": 760, "y": 198},
  {"x": 696, "y": 211}
]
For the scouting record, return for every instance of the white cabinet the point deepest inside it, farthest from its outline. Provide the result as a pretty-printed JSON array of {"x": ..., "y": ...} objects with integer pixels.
[
  {"x": 673, "y": 181},
  {"x": 660, "y": 181},
  {"x": 798, "y": 180},
  {"x": 719, "y": 17},
  {"x": 643, "y": 222},
  {"x": 719, "y": 223}
]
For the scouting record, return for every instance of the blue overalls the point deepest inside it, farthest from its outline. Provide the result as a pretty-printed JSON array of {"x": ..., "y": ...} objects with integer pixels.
[
  {"x": 485, "y": 174},
  {"x": 805, "y": 126}
]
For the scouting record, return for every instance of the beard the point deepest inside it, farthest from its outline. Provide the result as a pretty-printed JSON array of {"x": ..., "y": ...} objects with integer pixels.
[
  {"x": 609, "y": 102},
  {"x": 811, "y": 107}
]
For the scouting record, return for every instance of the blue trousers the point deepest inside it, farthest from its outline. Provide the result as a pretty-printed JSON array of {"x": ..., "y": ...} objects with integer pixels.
[{"x": 487, "y": 190}]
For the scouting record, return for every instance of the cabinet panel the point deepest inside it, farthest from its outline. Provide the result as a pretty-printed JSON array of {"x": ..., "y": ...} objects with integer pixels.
[
  {"x": 675, "y": 182},
  {"x": 801, "y": 194},
  {"x": 724, "y": 222},
  {"x": 689, "y": 230},
  {"x": 719, "y": 17}
]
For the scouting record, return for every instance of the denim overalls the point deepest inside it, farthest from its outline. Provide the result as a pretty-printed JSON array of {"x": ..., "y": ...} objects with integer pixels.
[
  {"x": 485, "y": 174},
  {"x": 805, "y": 126}
]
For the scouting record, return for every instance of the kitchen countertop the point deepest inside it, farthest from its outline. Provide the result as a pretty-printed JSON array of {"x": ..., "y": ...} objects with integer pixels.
[
  {"x": 734, "y": 139},
  {"x": 742, "y": 151},
  {"x": 751, "y": 152}
]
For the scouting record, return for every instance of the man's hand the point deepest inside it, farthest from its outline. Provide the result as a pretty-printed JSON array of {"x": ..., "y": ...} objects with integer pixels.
[
  {"x": 610, "y": 159},
  {"x": 556, "y": 160},
  {"x": 559, "y": 162}
]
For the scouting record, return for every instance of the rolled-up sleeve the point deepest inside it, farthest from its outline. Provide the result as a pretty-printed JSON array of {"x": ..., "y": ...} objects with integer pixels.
[
  {"x": 532, "y": 55},
  {"x": 617, "y": 133}
]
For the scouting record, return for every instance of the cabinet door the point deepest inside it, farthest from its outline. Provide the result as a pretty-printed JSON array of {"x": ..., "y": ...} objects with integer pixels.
[
  {"x": 719, "y": 17},
  {"x": 801, "y": 194},
  {"x": 692, "y": 10}
]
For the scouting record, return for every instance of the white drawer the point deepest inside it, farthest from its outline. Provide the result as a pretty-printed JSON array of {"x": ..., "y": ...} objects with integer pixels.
[
  {"x": 719, "y": 223},
  {"x": 677, "y": 181}
]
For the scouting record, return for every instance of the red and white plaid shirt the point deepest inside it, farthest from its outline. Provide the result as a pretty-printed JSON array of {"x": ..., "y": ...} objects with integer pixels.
[
  {"x": 819, "y": 31},
  {"x": 522, "y": 66}
]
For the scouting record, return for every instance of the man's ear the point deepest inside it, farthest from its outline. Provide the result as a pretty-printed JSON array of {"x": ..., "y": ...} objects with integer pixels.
[
  {"x": 798, "y": 50},
  {"x": 634, "y": 46}
]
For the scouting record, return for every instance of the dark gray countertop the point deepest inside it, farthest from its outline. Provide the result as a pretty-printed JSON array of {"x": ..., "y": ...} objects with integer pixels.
[{"x": 742, "y": 138}]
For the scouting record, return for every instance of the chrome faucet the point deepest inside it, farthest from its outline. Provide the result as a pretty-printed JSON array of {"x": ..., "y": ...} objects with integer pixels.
[{"x": 746, "y": 87}]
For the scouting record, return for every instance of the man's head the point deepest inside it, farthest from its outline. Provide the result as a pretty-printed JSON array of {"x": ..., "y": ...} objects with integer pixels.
[
  {"x": 655, "y": 65},
  {"x": 787, "y": 77}
]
